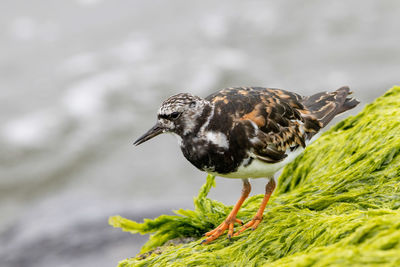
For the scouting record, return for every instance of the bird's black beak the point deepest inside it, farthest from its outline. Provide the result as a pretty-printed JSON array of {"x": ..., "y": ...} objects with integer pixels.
[{"x": 153, "y": 132}]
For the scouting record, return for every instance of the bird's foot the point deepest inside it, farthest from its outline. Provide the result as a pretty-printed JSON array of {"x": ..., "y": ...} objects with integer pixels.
[
  {"x": 253, "y": 224},
  {"x": 218, "y": 231}
]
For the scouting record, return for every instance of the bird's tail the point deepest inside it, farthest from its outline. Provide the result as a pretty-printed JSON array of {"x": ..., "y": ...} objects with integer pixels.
[{"x": 326, "y": 105}]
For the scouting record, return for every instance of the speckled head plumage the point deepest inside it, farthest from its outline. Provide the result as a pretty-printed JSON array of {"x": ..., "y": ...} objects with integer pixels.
[{"x": 177, "y": 114}]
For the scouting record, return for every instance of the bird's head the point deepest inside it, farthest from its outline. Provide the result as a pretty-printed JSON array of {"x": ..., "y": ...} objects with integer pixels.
[{"x": 178, "y": 114}]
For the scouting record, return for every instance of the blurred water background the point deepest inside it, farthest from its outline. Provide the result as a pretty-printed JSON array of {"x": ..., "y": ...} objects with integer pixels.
[{"x": 81, "y": 80}]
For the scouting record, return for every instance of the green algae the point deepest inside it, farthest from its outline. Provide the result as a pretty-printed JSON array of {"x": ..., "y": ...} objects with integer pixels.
[
  {"x": 187, "y": 223},
  {"x": 337, "y": 204}
]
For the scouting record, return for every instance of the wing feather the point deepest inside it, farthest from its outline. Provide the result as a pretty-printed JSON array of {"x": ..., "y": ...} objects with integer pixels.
[{"x": 278, "y": 117}]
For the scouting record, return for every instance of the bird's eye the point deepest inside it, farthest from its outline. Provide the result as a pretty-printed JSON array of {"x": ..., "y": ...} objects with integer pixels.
[{"x": 174, "y": 115}]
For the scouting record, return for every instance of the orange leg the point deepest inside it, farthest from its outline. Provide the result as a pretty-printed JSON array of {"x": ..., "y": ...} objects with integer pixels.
[
  {"x": 269, "y": 188},
  {"x": 229, "y": 222}
]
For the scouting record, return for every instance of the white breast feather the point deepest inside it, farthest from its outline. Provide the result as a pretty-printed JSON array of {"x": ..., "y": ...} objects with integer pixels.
[{"x": 218, "y": 139}]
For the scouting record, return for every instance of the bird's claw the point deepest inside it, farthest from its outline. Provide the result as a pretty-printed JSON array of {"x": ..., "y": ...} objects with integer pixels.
[
  {"x": 228, "y": 224},
  {"x": 253, "y": 224}
]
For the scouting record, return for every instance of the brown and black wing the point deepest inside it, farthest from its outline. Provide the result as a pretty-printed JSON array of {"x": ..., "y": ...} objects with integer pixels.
[
  {"x": 276, "y": 114},
  {"x": 283, "y": 120}
]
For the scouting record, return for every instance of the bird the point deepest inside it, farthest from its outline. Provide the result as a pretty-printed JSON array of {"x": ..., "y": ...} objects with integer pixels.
[{"x": 246, "y": 133}]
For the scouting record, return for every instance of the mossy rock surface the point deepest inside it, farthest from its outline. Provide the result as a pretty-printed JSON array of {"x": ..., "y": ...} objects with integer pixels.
[{"x": 337, "y": 204}]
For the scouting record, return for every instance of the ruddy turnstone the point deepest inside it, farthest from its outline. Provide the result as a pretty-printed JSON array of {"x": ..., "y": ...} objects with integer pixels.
[{"x": 246, "y": 132}]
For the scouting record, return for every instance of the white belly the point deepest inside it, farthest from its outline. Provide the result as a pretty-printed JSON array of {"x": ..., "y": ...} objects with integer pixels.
[{"x": 259, "y": 169}]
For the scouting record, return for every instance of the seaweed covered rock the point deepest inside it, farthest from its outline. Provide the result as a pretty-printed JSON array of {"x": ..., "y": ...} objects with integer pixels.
[{"x": 337, "y": 204}]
